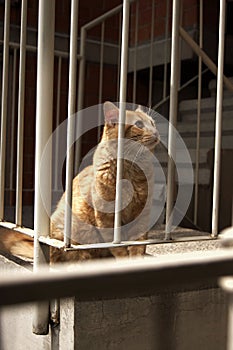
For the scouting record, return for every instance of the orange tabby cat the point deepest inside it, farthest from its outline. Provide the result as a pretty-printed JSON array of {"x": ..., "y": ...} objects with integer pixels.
[{"x": 94, "y": 190}]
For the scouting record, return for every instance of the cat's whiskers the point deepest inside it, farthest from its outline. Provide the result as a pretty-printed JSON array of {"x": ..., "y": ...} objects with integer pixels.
[{"x": 139, "y": 152}]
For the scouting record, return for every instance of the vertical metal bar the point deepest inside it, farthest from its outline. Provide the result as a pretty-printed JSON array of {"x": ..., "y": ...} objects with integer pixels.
[
  {"x": 197, "y": 158},
  {"x": 151, "y": 54},
  {"x": 81, "y": 76},
  {"x": 5, "y": 69},
  {"x": 44, "y": 114},
  {"x": 13, "y": 121},
  {"x": 20, "y": 131},
  {"x": 81, "y": 86},
  {"x": 166, "y": 50},
  {"x": 218, "y": 125},
  {"x": 119, "y": 58},
  {"x": 101, "y": 78},
  {"x": 57, "y": 119},
  {"x": 172, "y": 116},
  {"x": 71, "y": 121},
  {"x": 121, "y": 127},
  {"x": 180, "y": 43},
  {"x": 135, "y": 54}
]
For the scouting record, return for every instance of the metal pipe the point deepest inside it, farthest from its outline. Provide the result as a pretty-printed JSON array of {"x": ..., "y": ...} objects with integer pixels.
[
  {"x": 180, "y": 43},
  {"x": 21, "y": 101},
  {"x": 101, "y": 79},
  {"x": 135, "y": 54},
  {"x": 172, "y": 116},
  {"x": 81, "y": 86},
  {"x": 205, "y": 58},
  {"x": 5, "y": 69},
  {"x": 121, "y": 126},
  {"x": 44, "y": 114},
  {"x": 151, "y": 54},
  {"x": 57, "y": 121},
  {"x": 218, "y": 125},
  {"x": 13, "y": 120},
  {"x": 122, "y": 278},
  {"x": 101, "y": 62},
  {"x": 82, "y": 62},
  {"x": 197, "y": 158},
  {"x": 166, "y": 50},
  {"x": 32, "y": 48},
  {"x": 119, "y": 57},
  {"x": 71, "y": 121}
]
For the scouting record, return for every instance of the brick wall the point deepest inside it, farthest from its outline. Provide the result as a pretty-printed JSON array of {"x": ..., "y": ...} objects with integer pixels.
[{"x": 189, "y": 18}]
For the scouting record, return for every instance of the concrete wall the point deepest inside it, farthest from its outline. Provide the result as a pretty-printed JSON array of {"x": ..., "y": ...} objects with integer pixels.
[
  {"x": 180, "y": 320},
  {"x": 16, "y": 321},
  {"x": 191, "y": 318}
]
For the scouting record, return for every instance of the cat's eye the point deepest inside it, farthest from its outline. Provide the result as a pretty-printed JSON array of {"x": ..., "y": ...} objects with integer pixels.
[{"x": 139, "y": 124}]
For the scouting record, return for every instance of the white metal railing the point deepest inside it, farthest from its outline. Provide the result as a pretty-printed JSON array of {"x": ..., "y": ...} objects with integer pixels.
[
  {"x": 4, "y": 104},
  {"x": 45, "y": 68},
  {"x": 121, "y": 128},
  {"x": 142, "y": 275},
  {"x": 81, "y": 57},
  {"x": 21, "y": 101},
  {"x": 197, "y": 158},
  {"x": 218, "y": 126},
  {"x": 71, "y": 121},
  {"x": 44, "y": 112},
  {"x": 175, "y": 50}
]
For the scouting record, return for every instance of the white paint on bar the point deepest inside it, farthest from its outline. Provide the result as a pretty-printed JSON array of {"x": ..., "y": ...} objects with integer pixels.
[
  {"x": 4, "y": 105},
  {"x": 173, "y": 115},
  {"x": 71, "y": 121},
  {"x": 121, "y": 127},
  {"x": 218, "y": 126},
  {"x": 21, "y": 103},
  {"x": 44, "y": 113}
]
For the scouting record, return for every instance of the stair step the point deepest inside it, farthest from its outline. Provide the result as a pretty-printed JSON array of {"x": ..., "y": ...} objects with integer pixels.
[
  {"x": 188, "y": 109},
  {"x": 206, "y": 125},
  {"x": 162, "y": 156},
  {"x": 204, "y": 175},
  {"x": 208, "y": 141}
]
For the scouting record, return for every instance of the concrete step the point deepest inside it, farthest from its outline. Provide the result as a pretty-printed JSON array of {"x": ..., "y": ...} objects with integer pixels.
[
  {"x": 204, "y": 171},
  {"x": 188, "y": 109},
  {"x": 207, "y": 141},
  {"x": 204, "y": 175},
  {"x": 162, "y": 156},
  {"x": 206, "y": 125},
  {"x": 213, "y": 88}
]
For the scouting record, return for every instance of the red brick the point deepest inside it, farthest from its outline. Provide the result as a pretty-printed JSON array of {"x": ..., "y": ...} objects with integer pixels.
[
  {"x": 190, "y": 17},
  {"x": 161, "y": 9}
]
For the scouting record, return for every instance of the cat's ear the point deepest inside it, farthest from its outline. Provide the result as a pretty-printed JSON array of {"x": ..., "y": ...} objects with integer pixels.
[
  {"x": 111, "y": 113},
  {"x": 139, "y": 109}
]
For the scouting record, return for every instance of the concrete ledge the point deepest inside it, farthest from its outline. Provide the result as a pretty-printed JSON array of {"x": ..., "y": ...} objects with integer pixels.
[
  {"x": 181, "y": 247},
  {"x": 184, "y": 317}
]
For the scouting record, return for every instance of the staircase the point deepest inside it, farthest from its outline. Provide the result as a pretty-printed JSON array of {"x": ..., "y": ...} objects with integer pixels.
[
  {"x": 188, "y": 125},
  {"x": 187, "y": 128}
]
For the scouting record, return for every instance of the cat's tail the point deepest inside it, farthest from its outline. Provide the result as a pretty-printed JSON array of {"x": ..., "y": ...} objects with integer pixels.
[{"x": 16, "y": 243}]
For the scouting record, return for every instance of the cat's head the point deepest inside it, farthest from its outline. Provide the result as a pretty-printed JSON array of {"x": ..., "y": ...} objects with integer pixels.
[{"x": 139, "y": 126}]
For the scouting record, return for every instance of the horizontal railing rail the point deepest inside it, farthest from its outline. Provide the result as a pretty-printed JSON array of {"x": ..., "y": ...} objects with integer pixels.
[{"x": 116, "y": 278}]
